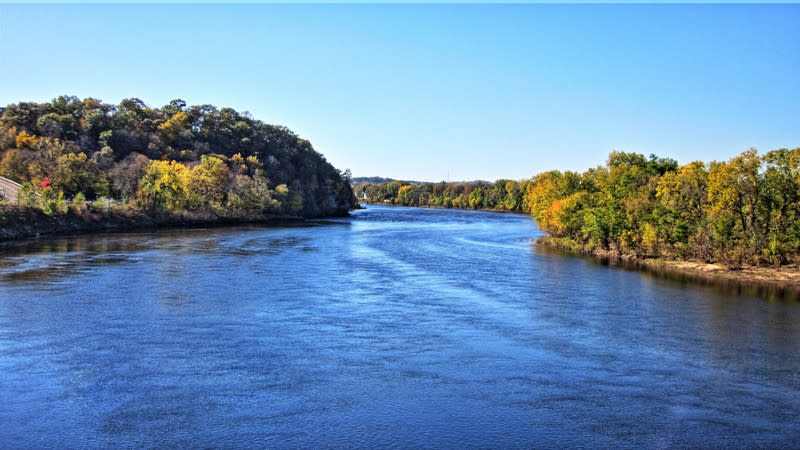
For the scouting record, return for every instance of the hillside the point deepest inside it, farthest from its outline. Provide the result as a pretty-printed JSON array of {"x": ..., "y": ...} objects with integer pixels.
[{"x": 175, "y": 158}]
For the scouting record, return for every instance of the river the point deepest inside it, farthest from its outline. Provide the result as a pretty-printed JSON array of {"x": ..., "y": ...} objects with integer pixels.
[{"x": 396, "y": 327}]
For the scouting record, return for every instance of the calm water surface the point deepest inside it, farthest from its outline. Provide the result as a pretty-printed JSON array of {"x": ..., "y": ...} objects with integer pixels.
[{"x": 395, "y": 327}]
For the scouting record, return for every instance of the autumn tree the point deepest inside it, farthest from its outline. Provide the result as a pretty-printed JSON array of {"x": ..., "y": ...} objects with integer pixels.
[
  {"x": 75, "y": 173},
  {"x": 208, "y": 182},
  {"x": 164, "y": 186},
  {"x": 126, "y": 174}
]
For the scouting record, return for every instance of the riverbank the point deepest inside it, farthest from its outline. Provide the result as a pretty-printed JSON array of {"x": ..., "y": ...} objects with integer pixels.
[
  {"x": 19, "y": 222},
  {"x": 772, "y": 282}
]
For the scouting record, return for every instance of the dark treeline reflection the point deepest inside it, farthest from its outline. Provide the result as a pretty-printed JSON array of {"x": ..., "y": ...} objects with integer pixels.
[{"x": 720, "y": 285}]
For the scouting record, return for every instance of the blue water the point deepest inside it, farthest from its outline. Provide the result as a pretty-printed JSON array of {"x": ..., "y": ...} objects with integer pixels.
[{"x": 395, "y": 327}]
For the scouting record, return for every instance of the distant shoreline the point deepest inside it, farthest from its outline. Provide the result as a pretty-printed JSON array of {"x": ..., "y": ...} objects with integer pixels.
[
  {"x": 781, "y": 283},
  {"x": 505, "y": 211}
]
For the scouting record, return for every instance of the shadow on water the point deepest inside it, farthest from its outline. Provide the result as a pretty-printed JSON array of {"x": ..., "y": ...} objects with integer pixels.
[
  {"x": 52, "y": 258},
  {"x": 772, "y": 292}
]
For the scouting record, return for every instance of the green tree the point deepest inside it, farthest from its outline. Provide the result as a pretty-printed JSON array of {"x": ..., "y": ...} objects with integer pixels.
[
  {"x": 779, "y": 205},
  {"x": 75, "y": 173},
  {"x": 733, "y": 192},
  {"x": 53, "y": 202}
]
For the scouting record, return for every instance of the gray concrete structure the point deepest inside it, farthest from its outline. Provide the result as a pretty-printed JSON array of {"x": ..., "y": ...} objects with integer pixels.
[{"x": 9, "y": 189}]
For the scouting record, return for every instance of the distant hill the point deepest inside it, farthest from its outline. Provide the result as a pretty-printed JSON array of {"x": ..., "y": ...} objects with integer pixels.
[
  {"x": 377, "y": 180},
  {"x": 372, "y": 180},
  {"x": 356, "y": 181}
]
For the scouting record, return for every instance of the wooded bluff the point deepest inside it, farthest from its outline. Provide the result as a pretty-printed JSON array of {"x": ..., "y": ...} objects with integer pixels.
[
  {"x": 199, "y": 162},
  {"x": 742, "y": 212}
]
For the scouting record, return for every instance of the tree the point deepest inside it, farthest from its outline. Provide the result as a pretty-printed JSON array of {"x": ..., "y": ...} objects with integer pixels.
[
  {"x": 25, "y": 140},
  {"x": 548, "y": 187},
  {"x": 477, "y": 197},
  {"x": 176, "y": 124},
  {"x": 75, "y": 173},
  {"x": 50, "y": 125},
  {"x": 513, "y": 199},
  {"x": 126, "y": 174},
  {"x": 248, "y": 194},
  {"x": 164, "y": 186},
  {"x": 15, "y": 164},
  {"x": 208, "y": 182},
  {"x": 681, "y": 210},
  {"x": 779, "y": 205},
  {"x": 733, "y": 193}
]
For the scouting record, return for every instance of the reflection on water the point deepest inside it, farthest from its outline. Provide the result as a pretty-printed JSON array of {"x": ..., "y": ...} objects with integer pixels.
[
  {"x": 722, "y": 286},
  {"x": 54, "y": 258},
  {"x": 395, "y": 327}
]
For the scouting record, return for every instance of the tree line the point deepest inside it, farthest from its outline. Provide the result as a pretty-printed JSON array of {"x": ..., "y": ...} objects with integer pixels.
[
  {"x": 502, "y": 195},
  {"x": 744, "y": 211},
  {"x": 173, "y": 158}
]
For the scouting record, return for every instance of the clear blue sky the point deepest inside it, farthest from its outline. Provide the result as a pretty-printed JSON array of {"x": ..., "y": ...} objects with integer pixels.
[{"x": 432, "y": 92}]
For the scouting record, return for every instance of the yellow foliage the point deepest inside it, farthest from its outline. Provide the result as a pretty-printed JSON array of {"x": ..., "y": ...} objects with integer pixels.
[
  {"x": 91, "y": 103},
  {"x": 165, "y": 185},
  {"x": 238, "y": 164},
  {"x": 722, "y": 191},
  {"x": 172, "y": 127},
  {"x": 649, "y": 238},
  {"x": 207, "y": 181},
  {"x": 685, "y": 191},
  {"x": 546, "y": 187},
  {"x": 26, "y": 140}
]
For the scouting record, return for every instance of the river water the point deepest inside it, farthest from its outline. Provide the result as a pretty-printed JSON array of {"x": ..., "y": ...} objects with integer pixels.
[{"x": 395, "y": 327}]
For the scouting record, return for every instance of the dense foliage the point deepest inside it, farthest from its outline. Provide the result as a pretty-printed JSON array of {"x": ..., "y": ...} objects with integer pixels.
[
  {"x": 174, "y": 158},
  {"x": 740, "y": 212}
]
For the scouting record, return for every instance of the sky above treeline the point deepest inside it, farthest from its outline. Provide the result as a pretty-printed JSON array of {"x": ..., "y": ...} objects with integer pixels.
[{"x": 437, "y": 92}]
